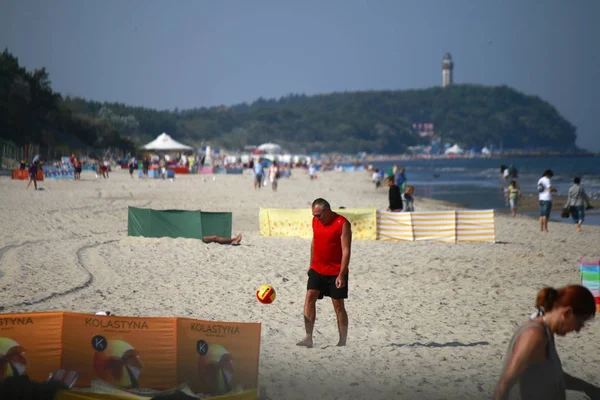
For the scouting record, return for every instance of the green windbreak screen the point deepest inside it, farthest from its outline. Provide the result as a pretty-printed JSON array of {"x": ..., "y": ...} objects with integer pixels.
[
  {"x": 216, "y": 224},
  {"x": 138, "y": 221},
  {"x": 178, "y": 223}
]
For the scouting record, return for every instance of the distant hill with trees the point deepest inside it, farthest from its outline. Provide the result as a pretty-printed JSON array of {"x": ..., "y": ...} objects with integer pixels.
[
  {"x": 32, "y": 113},
  {"x": 349, "y": 122},
  {"x": 380, "y": 121}
]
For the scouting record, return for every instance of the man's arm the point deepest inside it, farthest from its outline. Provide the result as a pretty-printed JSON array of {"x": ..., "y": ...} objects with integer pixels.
[{"x": 346, "y": 247}]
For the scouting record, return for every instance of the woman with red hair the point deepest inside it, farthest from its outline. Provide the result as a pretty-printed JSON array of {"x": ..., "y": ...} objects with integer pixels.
[{"x": 532, "y": 368}]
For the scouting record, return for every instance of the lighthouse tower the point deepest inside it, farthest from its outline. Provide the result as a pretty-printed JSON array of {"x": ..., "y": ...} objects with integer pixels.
[{"x": 447, "y": 67}]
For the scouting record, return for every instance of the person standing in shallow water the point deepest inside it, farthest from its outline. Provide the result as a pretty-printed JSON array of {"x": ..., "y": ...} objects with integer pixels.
[
  {"x": 532, "y": 368},
  {"x": 328, "y": 272}
]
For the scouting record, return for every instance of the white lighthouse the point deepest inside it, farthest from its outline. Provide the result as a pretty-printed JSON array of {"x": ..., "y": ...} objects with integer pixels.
[{"x": 447, "y": 67}]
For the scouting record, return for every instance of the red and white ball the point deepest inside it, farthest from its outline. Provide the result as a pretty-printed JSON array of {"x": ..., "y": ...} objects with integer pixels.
[{"x": 265, "y": 294}]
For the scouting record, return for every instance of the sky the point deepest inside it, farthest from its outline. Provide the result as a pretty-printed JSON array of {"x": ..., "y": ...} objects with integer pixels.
[{"x": 194, "y": 53}]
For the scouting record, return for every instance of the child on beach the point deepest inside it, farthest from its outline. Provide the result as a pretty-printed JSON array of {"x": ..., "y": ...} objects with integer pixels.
[
  {"x": 514, "y": 192},
  {"x": 408, "y": 204},
  {"x": 376, "y": 178}
]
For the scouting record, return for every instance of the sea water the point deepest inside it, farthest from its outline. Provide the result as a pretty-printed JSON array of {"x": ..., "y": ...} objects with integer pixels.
[{"x": 477, "y": 182}]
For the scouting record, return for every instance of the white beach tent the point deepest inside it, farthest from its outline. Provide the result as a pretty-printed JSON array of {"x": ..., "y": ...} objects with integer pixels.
[
  {"x": 486, "y": 151},
  {"x": 454, "y": 150},
  {"x": 165, "y": 142},
  {"x": 269, "y": 148}
]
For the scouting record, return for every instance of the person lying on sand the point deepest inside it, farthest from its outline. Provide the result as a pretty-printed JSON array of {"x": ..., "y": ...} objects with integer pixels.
[{"x": 234, "y": 241}]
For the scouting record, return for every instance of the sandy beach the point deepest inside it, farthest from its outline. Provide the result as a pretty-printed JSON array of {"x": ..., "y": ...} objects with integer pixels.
[{"x": 427, "y": 320}]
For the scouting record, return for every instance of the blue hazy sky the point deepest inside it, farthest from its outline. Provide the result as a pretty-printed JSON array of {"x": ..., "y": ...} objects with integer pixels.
[{"x": 179, "y": 53}]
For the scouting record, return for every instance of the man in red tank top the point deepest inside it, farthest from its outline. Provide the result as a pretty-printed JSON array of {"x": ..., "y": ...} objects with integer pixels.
[{"x": 328, "y": 272}]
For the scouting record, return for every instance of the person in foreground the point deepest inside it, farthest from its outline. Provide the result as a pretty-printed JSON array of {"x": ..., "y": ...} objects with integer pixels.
[
  {"x": 328, "y": 272},
  {"x": 532, "y": 367},
  {"x": 221, "y": 240}
]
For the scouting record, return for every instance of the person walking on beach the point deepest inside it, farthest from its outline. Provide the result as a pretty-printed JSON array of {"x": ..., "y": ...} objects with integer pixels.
[
  {"x": 33, "y": 171},
  {"x": 258, "y": 174},
  {"x": 145, "y": 167},
  {"x": 532, "y": 368},
  {"x": 577, "y": 200},
  {"x": 376, "y": 178},
  {"x": 514, "y": 192},
  {"x": 394, "y": 196},
  {"x": 328, "y": 272},
  {"x": 545, "y": 191},
  {"x": 162, "y": 163},
  {"x": 274, "y": 174},
  {"x": 132, "y": 163},
  {"x": 78, "y": 166}
]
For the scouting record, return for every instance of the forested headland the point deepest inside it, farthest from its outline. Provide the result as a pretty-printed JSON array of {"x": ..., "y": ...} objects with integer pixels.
[{"x": 348, "y": 122}]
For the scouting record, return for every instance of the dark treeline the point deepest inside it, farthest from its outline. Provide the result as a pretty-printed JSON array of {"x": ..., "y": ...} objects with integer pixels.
[
  {"x": 31, "y": 112},
  {"x": 381, "y": 121}
]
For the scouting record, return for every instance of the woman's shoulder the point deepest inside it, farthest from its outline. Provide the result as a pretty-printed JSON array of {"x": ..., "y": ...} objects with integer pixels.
[{"x": 531, "y": 332}]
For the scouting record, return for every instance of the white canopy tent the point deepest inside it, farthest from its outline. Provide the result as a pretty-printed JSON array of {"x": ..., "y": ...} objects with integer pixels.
[
  {"x": 269, "y": 148},
  {"x": 454, "y": 150},
  {"x": 164, "y": 142}
]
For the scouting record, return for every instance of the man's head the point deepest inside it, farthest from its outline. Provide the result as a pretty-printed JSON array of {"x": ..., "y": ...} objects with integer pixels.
[
  {"x": 548, "y": 173},
  {"x": 389, "y": 181},
  {"x": 321, "y": 210}
]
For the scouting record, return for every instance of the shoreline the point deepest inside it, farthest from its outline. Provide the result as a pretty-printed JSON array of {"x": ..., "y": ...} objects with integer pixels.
[{"x": 408, "y": 157}]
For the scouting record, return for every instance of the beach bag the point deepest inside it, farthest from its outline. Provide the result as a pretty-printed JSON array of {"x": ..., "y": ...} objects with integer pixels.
[{"x": 566, "y": 212}]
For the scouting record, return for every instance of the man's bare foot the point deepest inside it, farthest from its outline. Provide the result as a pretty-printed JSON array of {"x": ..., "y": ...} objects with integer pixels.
[
  {"x": 237, "y": 239},
  {"x": 341, "y": 343},
  {"x": 306, "y": 342}
]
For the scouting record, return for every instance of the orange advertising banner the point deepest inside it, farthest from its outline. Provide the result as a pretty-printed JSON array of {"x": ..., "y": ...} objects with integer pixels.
[
  {"x": 128, "y": 352},
  {"x": 30, "y": 344},
  {"x": 217, "y": 357},
  {"x": 212, "y": 358}
]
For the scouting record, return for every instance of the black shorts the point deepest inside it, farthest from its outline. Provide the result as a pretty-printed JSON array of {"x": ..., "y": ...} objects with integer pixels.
[{"x": 326, "y": 285}]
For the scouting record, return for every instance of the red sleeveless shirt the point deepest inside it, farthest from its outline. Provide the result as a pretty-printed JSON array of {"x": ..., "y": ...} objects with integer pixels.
[{"x": 327, "y": 256}]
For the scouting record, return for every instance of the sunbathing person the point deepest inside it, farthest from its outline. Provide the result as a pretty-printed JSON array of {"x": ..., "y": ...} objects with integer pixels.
[{"x": 221, "y": 240}]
